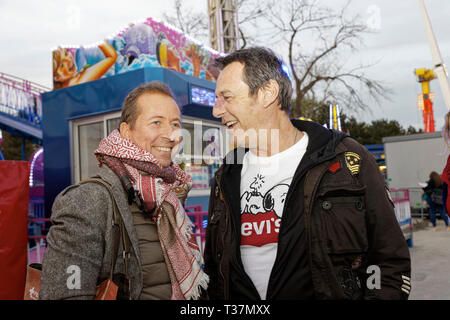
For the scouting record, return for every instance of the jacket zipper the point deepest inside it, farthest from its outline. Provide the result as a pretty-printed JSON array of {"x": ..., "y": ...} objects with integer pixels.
[
  {"x": 295, "y": 180},
  {"x": 225, "y": 283},
  {"x": 308, "y": 215},
  {"x": 239, "y": 265}
]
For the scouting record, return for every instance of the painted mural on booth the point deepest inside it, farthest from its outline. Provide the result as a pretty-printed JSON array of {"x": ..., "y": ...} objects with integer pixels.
[{"x": 147, "y": 44}]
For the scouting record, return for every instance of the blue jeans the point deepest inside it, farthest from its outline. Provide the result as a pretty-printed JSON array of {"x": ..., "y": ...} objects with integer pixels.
[
  {"x": 437, "y": 207},
  {"x": 444, "y": 195}
]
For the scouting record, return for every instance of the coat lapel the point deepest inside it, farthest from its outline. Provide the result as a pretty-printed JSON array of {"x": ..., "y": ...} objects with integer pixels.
[{"x": 122, "y": 204}]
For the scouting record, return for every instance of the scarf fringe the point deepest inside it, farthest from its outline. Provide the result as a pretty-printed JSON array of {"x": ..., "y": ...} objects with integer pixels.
[
  {"x": 198, "y": 256},
  {"x": 203, "y": 280}
]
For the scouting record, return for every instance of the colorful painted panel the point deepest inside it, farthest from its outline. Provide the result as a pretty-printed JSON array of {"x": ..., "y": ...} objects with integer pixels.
[{"x": 146, "y": 44}]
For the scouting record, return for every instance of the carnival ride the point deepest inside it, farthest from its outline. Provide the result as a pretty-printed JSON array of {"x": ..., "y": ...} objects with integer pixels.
[
  {"x": 425, "y": 99},
  {"x": 223, "y": 25},
  {"x": 426, "y": 75},
  {"x": 1, "y": 140},
  {"x": 21, "y": 108},
  {"x": 335, "y": 117},
  {"x": 21, "y": 115}
]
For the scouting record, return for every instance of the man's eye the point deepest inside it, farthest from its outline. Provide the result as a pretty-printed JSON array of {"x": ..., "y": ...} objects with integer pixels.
[
  {"x": 176, "y": 125},
  {"x": 156, "y": 122}
]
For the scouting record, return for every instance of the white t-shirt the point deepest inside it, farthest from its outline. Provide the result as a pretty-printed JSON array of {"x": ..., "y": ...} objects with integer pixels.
[{"x": 264, "y": 185}]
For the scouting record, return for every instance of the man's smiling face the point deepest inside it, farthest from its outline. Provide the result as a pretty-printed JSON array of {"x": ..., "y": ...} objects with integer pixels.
[
  {"x": 157, "y": 128},
  {"x": 234, "y": 105}
]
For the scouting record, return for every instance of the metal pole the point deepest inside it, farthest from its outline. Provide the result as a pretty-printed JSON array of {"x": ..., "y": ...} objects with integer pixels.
[
  {"x": 38, "y": 250},
  {"x": 23, "y": 149},
  {"x": 436, "y": 56}
]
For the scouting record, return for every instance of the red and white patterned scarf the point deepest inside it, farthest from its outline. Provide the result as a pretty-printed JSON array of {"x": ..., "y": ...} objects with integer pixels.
[{"x": 183, "y": 257}]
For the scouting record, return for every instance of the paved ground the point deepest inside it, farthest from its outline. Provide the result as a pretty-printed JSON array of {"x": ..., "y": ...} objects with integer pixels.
[{"x": 430, "y": 264}]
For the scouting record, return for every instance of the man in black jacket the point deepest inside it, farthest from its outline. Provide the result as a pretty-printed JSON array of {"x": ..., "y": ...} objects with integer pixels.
[{"x": 297, "y": 211}]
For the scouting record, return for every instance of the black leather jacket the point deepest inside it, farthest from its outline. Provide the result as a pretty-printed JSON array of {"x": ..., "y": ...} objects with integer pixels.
[{"x": 349, "y": 220}]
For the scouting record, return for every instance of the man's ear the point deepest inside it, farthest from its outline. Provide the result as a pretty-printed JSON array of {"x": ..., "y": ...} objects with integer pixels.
[
  {"x": 125, "y": 130},
  {"x": 270, "y": 93}
]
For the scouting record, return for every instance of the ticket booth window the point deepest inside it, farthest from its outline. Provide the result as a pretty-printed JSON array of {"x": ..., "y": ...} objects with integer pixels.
[
  {"x": 112, "y": 124},
  {"x": 90, "y": 136},
  {"x": 201, "y": 140},
  {"x": 201, "y": 152},
  {"x": 87, "y": 134}
]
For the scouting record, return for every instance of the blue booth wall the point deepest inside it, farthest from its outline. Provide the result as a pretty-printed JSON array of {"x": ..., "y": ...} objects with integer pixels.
[{"x": 98, "y": 97}]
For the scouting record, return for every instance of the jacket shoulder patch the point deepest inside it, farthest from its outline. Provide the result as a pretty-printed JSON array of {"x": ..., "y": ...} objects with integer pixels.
[
  {"x": 353, "y": 162},
  {"x": 335, "y": 167}
]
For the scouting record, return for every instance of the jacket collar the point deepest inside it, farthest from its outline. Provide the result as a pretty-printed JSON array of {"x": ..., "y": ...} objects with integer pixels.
[{"x": 322, "y": 141}]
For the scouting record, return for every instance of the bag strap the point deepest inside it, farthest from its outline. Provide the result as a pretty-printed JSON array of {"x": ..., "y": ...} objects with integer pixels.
[
  {"x": 126, "y": 247},
  {"x": 119, "y": 229}
]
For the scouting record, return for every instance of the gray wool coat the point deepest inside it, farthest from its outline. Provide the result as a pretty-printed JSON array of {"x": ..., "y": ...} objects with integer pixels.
[{"x": 81, "y": 236}]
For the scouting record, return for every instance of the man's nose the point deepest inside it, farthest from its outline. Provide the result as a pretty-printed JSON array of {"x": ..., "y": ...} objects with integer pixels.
[
  {"x": 176, "y": 135},
  {"x": 167, "y": 131},
  {"x": 218, "y": 109}
]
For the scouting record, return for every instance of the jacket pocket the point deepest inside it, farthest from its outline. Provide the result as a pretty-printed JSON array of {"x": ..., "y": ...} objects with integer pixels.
[{"x": 343, "y": 219}]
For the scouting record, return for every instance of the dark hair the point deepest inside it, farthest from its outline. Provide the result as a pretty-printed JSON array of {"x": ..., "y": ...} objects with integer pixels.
[
  {"x": 436, "y": 178},
  {"x": 130, "y": 112},
  {"x": 260, "y": 66}
]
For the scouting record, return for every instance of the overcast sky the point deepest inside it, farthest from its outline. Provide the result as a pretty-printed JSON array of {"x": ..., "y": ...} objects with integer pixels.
[{"x": 31, "y": 29}]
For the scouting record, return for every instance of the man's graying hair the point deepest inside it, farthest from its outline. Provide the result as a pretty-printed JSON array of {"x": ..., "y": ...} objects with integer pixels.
[
  {"x": 260, "y": 66},
  {"x": 130, "y": 111}
]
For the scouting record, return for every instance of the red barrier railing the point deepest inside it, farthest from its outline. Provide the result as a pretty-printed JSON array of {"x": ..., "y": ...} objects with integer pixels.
[
  {"x": 192, "y": 211},
  {"x": 35, "y": 253},
  {"x": 197, "y": 213}
]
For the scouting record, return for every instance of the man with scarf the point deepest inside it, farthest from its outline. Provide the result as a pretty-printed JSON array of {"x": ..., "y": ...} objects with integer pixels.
[{"x": 164, "y": 261}]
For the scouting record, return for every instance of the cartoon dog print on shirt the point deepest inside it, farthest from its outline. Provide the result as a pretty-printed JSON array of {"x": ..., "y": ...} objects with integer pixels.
[{"x": 261, "y": 213}]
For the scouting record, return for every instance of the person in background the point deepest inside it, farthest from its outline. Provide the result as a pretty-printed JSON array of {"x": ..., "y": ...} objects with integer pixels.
[
  {"x": 434, "y": 196},
  {"x": 445, "y": 176}
]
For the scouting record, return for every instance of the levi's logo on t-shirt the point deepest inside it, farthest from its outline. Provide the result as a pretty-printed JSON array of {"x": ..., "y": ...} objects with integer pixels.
[{"x": 261, "y": 213}]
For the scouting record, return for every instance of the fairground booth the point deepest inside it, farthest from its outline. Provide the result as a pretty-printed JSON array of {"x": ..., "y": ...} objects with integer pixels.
[{"x": 90, "y": 84}]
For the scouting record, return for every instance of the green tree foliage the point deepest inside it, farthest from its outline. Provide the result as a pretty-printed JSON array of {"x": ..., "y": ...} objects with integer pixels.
[
  {"x": 364, "y": 133},
  {"x": 374, "y": 132}
]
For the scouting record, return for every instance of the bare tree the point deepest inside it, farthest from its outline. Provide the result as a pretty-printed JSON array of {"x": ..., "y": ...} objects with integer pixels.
[
  {"x": 189, "y": 21},
  {"x": 319, "y": 42},
  {"x": 195, "y": 23},
  {"x": 250, "y": 13},
  {"x": 322, "y": 69}
]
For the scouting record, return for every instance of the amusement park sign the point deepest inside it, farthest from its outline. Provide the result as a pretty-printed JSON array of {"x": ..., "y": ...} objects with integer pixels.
[{"x": 146, "y": 44}]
